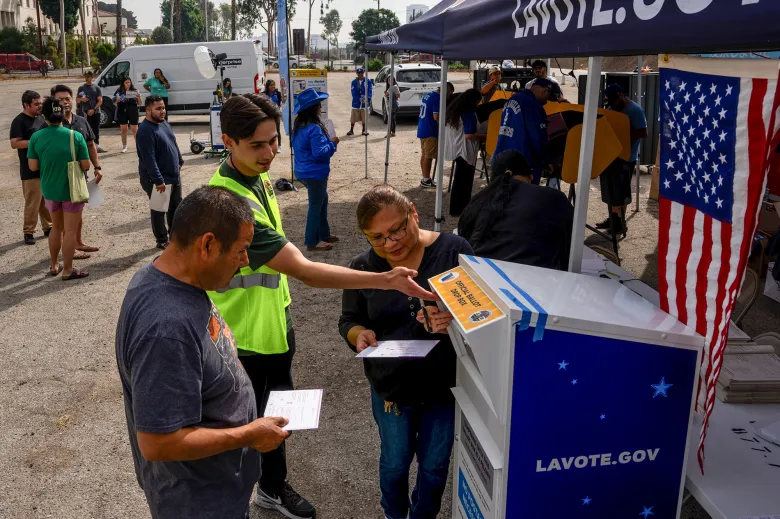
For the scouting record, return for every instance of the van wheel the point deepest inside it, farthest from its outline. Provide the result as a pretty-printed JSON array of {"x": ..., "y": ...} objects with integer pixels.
[{"x": 106, "y": 117}]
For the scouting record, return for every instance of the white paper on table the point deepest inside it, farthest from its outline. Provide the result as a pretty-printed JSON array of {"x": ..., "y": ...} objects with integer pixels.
[
  {"x": 592, "y": 265},
  {"x": 159, "y": 201},
  {"x": 95, "y": 194},
  {"x": 301, "y": 407},
  {"x": 398, "y": 349},
  {"x": 331, "y": 129}
]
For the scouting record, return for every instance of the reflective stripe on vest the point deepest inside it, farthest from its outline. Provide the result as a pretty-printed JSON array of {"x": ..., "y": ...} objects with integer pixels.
[{"x": 253, "y": 280}]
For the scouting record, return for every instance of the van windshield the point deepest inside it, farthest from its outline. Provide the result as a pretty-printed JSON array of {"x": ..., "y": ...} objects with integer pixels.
[{"x": 419, "y": 76}]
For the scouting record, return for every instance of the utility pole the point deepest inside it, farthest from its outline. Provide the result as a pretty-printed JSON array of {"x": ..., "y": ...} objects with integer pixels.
[
  {"x": 206, "y": 9},
  {"x": 62, "y": 37},
  {"x": 84, "y": 30},
  {"x": 40, "y": 36},
  {"x": 377, "y": 5}
]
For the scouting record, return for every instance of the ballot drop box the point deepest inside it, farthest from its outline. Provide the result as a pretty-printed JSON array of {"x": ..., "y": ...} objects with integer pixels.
[{"x": 574, "y": 395}]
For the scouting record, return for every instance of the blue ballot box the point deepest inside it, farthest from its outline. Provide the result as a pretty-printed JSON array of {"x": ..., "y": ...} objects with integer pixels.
[{"x": 574, "y": 395}]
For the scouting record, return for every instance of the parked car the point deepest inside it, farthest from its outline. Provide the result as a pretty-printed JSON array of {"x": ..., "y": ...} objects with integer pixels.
[
  {"x": 295, "y": 62},
  {"x": 190, "y": 93},
  {"x": 24, "y": 61},
  {"x": 414, "y": 81}
]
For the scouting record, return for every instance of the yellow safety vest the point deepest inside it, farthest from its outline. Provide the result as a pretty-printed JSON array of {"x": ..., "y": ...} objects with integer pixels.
[{"x": 254, "y": 303}]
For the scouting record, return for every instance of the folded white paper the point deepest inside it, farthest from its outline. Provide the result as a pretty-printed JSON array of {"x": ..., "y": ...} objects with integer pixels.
[
  {"x": 398, "y": 349},
  {"x": 300, "y": 407},
  {"x": 95, "y": 194},
  {"x": 159, "y": 201},
  {"x": 331, "y": 129}
]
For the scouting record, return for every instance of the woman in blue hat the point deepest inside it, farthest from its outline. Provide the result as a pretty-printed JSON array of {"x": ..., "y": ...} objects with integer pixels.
[{"x": 313, "y": 148}]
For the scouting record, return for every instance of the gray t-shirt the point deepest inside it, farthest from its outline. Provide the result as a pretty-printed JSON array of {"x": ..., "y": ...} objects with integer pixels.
[
  {"x": 179, "y": 367},
  {"x": 93, "y": 93}
]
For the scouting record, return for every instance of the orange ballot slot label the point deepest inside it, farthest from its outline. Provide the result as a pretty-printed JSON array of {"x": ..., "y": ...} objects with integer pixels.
[{"x": 469, "y": 305}]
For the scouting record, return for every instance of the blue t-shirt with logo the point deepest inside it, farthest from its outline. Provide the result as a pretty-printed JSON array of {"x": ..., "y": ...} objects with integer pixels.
[{"x": 427, "y": 126}]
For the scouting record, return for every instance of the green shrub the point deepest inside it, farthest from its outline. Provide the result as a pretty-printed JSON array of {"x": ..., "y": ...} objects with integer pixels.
[
  {"x": 105, "y": 53},
  {"x": 457, "y": 66},
  {"x": 375, "y": 65}
]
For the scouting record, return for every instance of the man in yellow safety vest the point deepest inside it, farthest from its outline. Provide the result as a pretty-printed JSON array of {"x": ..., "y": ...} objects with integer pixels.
[{"x": 256, "y": 305}]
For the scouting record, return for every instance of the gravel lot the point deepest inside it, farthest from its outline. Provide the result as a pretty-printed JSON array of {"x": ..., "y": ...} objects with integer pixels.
[{"x": 63, "y": 442}]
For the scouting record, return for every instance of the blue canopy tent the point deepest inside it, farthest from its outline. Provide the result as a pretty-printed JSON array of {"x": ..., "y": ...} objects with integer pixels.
[{"x": 495, "y": 29}]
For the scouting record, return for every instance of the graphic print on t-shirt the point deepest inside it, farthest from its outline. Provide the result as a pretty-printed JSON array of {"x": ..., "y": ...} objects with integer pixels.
[{"x": 223, "y": 340}]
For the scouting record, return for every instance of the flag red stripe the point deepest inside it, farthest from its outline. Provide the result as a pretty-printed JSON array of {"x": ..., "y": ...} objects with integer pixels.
[
  {"x": 701, "y": 277},
  {"x": 689, "y": 214},
  {"x": 664, "y": 219}
]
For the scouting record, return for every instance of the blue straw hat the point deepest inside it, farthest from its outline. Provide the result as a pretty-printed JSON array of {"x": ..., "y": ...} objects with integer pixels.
[{"x": 308, "y": 98}]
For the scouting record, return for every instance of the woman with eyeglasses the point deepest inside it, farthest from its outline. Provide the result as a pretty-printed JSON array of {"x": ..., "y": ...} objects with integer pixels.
[{"x": 410, "y": 398}]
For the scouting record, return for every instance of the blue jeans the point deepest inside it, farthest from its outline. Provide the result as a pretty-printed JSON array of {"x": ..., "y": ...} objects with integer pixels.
[
  {"x": 317, "y": 228},
  {"x": 426, "y": 430}
]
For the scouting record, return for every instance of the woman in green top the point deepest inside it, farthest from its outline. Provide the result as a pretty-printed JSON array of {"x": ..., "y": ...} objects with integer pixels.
[
  {"x": 227, "y": 89},
  {"x": 49, "y": 151},
  {"x": 158, "y": 85}
]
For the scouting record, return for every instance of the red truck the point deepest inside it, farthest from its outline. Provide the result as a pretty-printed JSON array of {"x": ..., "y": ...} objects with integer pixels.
[{"x": 24, "y": 61}]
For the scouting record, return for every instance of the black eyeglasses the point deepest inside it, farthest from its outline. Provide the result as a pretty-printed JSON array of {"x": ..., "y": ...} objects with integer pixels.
[{"x": 395, "y": 236}]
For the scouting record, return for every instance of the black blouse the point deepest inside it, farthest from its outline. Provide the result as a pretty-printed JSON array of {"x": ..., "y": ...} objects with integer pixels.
[{"x": 393, "y": 316}]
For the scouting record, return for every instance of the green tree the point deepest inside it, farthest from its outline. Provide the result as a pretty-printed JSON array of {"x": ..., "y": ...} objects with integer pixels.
[
  {"x": 51, "y": 8},
  {"x": 30, "y": 37},
  {"x": 162, "y": 35},
  {"x": 52, "y": 53},
  {"x": 132, "y": 22},
  {"x": 372, "y": 22},
  {"x": 191, "y": 19},
  {"x": 264, "y": 14},
  {"x": 332, "y": 24},
  {"x": 105, "y": 53},
  {"x": 11, "y": 40}
]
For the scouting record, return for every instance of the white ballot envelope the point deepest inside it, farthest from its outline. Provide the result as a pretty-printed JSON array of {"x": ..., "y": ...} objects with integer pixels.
[
  {"x": 95, "y": 194},
  {"x": 331, "y": 129},
  {"x": 398, "y": 349},
  {"x": 159, "y": 201},
  {"x": 300, "y": 407}
]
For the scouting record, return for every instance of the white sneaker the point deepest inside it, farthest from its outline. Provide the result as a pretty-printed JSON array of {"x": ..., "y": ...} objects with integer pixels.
[
  {"x": 124, "y": 149},
  {"x": 100, "y": 149}
]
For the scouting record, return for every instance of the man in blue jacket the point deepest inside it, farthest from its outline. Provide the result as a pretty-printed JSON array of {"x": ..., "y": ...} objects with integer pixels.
[
  {"x": 524, "y": 124},
  {"x": 159, "y": 164},
  {"x": 359, "y": 100}
]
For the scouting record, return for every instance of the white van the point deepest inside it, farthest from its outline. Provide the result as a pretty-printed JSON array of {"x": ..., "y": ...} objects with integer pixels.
[
  {"x": 414, "y": 81},
  {"x": 190, "y": 93}
]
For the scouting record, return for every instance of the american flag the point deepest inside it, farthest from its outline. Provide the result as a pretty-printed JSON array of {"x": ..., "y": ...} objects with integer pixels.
[{"x": 715, "y": 135}]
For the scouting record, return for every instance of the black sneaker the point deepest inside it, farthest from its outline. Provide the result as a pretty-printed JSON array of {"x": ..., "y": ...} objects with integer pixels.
[
  {"x": 604, "y": 224},
  {"x": 29, "y": 239},
  {"x": 350, "y": 132},
  {"x": 427, "y": 182},
  {"x": 288, "y": 503},
  {"x": 365, "y": 133}
]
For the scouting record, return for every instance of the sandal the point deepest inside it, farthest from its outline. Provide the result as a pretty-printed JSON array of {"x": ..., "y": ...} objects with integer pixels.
[
  {"x": 81, "y": 255},
  {"x": 331, "y": 239},
  {"x": 88, "y": 248},
  {"x": 59, "y": 269},
  {"x": 321, "y": 246},
  {"x": 76, "y": 274}
]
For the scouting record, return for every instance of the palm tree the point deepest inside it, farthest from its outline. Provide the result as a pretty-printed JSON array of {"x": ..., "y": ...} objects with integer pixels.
[{"x": 119, "y": 30}]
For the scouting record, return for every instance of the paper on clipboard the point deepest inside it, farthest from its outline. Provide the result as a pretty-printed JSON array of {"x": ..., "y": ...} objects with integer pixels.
[
  {"x": 398, "y": 349},
  {"x": 300, "y": 407},
  {"x": 331, "y": 129},
  {"x": 160, "y": 201},
  {"x": 95, "y": 194}
]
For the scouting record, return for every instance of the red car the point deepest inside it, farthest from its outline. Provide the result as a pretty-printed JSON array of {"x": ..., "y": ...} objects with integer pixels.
[{"x": 24, "y": 61}]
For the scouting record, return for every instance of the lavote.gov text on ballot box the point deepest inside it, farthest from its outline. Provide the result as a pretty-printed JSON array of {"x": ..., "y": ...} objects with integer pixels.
[{"x": 574, "y": 395}]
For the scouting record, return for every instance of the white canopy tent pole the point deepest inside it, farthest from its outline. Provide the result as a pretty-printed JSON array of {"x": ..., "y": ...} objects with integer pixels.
[
  {"x": 368, "y": 112},
  {"x": 391, "y": 100},
  {"x": 586, "y": 162},
  {"x": 639, "y": 63},
  {"x": 445, "y": 64}
]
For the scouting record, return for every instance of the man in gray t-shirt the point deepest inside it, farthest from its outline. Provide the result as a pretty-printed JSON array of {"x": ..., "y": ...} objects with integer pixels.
[
  {"x": 89, "y": 99},
  {"x": 190, "y": 407}
]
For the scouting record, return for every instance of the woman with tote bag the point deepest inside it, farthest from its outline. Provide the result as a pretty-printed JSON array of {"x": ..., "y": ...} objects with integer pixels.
[{"x": 61, "y": 156}]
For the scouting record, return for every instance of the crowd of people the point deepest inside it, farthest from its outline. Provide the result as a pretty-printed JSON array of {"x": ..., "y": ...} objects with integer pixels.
[{"x": 206, "y": 331}]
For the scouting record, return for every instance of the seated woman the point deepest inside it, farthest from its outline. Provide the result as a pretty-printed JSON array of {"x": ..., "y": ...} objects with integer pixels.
[
  {"x": 410, "y": 398},
  {"x": 515, "y": 220}
]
